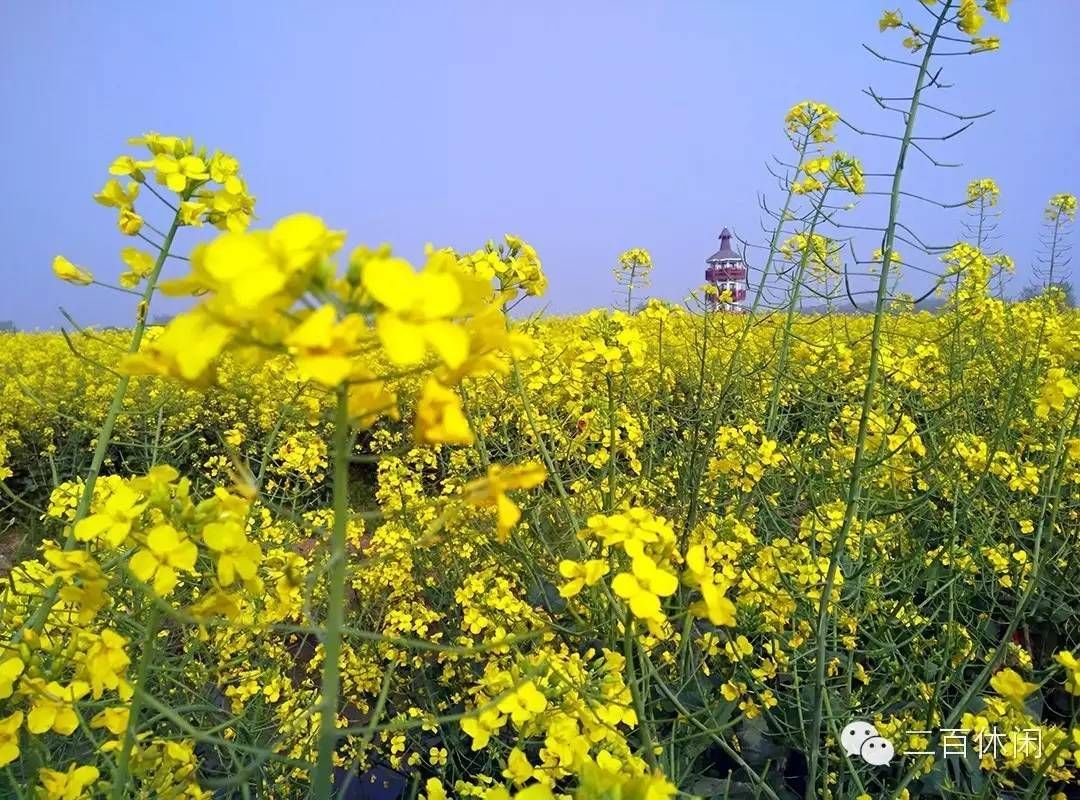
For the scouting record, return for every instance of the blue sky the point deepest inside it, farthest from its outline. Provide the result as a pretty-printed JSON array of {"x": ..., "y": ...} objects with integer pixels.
[{"x": 586, "y": 128}]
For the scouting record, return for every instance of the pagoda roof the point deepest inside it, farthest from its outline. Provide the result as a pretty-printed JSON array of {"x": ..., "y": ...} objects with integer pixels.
[{"x": 725, "y": 253}]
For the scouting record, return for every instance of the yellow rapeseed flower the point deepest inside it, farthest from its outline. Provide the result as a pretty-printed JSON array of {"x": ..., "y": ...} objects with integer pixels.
[
  {"x": 518, "y": 769},
  {"x": 323, "y": 347},
  {"x": 237, "y": 555},
  {"x": 114, "y": 719},
  {"x": 433, "y": 790},
  {"x": 113, "y": 195},
  {"x": 179, "y": 173},
  {"x": 165, "y": 554},
  {"x": 643, "y": 587},
  {"x": 890, "y": 19},
  {"x": 985, "y": 190},
  {"x": 186, "y": 349},
  {"x": 1062, "y": 206},
  {"x": 969, "y": 18},
  {"x": 1057, "y": 390},
  {"x": 9, "y": 737},
  {"x": 1072, "y": 671},
  {"x": 70, "y": 785},
  {"x": 416, "y": 309},
  {"x": 66, "y": 271},
  {"x": 480, "y": 727},
  {"x": 581, "y": 574},
  {"x": 1012, "y": 687},
  {"x": 491, "y": 491},
  {"x": 106, "y": 664},
  {"x": 138, "y": 263},
  {"x": 440, "y": 417},
  {"x": 52, "y": 705},
  {"x": 114, "y": 521},
  {"x": 524, "y": 703}
]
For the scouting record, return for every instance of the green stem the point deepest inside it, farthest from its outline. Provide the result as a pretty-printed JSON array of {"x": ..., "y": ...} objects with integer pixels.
[
  {"x": 14, "y": 784},
  {"x": 481, "y": 442},
  {"x": 322, "y": 780},
  {"x": 117, "y": 404},
  {"x": 1053, "y": 250},
  {"x": 611, "y": 447},
  {"x": 854, "y": 490},
  {"x": 545, "y": 456},
  {"x": 789, "y": 320},
  {"x": 146, "y": 657},
  {"x": 635, "y": 690}
]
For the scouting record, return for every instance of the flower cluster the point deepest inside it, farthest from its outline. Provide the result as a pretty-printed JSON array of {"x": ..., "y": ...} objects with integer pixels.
[{"x": 813, "y": 120}]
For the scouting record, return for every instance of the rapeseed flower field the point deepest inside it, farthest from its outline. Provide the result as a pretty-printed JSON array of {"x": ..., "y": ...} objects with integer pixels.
[{"x": 346, "y": 521}]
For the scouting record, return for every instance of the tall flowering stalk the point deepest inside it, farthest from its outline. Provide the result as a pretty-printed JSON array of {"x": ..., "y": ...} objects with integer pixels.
[
  {"x": 968, "y": 20},
  {"x": 1056, "y": 250},
  {"x": 982, "y": 200},
  {"x": 809, "y": 252},
  {"x": 206, "y": 188},
  {"x": 632, "y": 271}
]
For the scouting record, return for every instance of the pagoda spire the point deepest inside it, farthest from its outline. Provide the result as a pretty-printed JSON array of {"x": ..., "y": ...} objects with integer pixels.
[{"x": 726, "y": 271}]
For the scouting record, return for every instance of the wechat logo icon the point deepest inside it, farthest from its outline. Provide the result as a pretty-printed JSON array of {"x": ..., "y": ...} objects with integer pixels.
[{"x": 862, "y": 739}]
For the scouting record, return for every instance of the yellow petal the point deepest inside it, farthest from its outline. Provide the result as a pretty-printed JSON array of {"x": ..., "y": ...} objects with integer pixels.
[
  {"x": 329, "y": 369},
  {"x": 440, "y": 294},
  {"x": 9, "y": 751},
  {"x": 403, "y": 341},
  {"x": 567, "y": 568},
  {"x": 508, "y": 514},
  {"x": 184, "y": 556},
  {"x": 695, "y": 559},
  {"x": 143, "y": 564},
  {"x": 66, "y": 721},
  {"x": 572, "y": 589},
  {"x": 645, "y": 605},
  {"x": 644, "y": 568},
  {"x": 220, "y": 535},
  {"x": 164, "y": 580},
  {"x": 40, "y": 719},
  {"x": 252, "y": 289},
  {"x": 316, "y": 329},
  {"x": 625, "y": 585},
  {"x": 162, "y": 539},
  {"x": 663, "y": 583},
  {"x": 226, "y": 570},
  {"x": 391, "y": 282},
  {"x": 91, "y": 527},
  {"x": 232, "y": 254},
  {"x": 450, "y": 341}
]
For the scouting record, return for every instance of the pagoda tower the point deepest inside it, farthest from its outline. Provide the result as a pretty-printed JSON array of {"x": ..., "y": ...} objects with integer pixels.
[{"x": 727, "y": 272}]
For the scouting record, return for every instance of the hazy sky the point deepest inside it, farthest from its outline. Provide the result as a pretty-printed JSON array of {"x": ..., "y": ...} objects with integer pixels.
[{"x": 586, "y": 128}]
